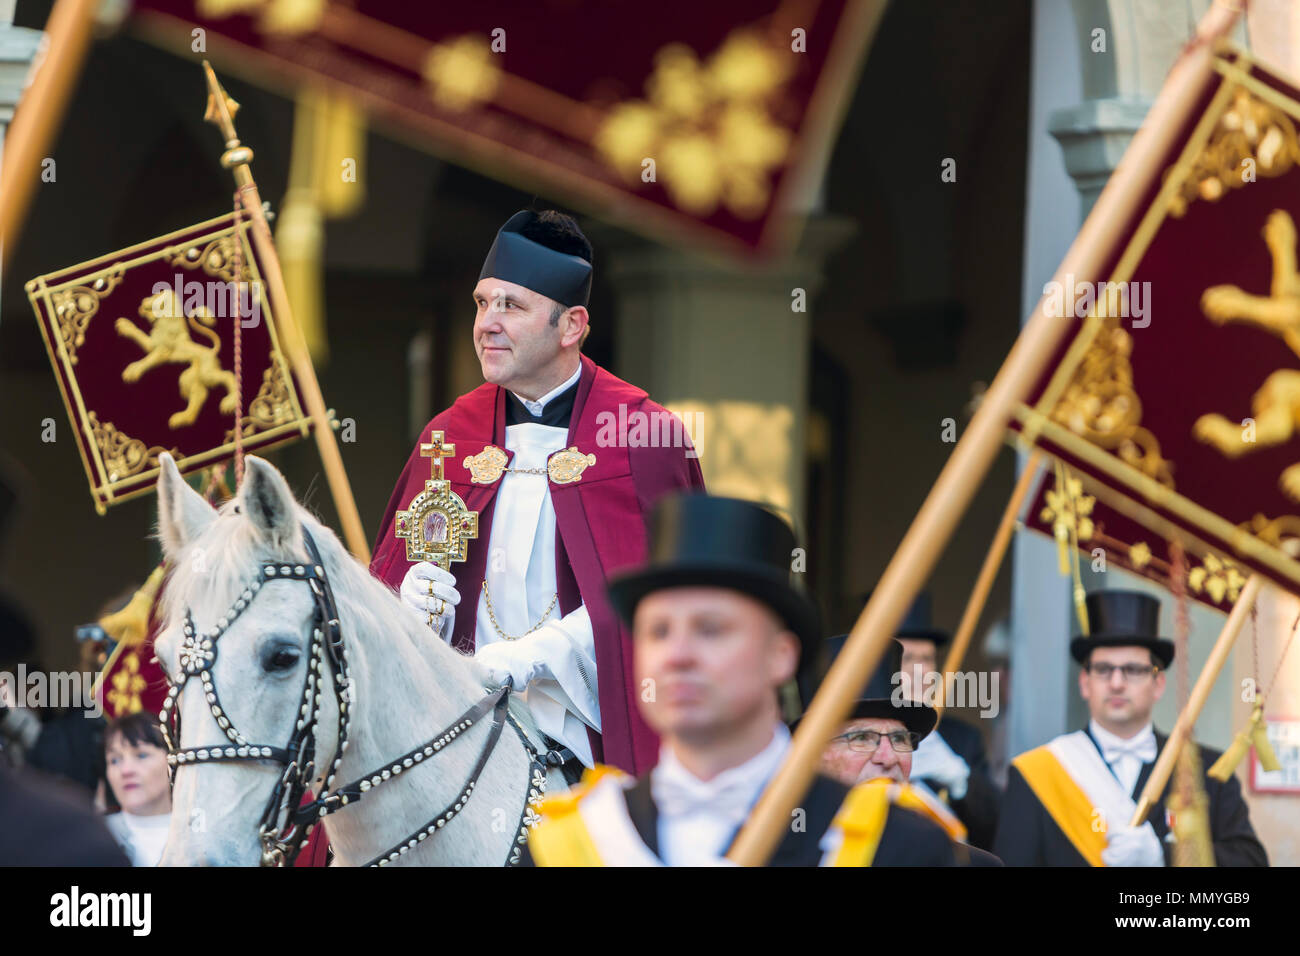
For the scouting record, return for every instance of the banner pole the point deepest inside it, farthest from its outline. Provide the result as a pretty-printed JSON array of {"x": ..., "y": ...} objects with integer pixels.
[{"x": 969, "y": 462}]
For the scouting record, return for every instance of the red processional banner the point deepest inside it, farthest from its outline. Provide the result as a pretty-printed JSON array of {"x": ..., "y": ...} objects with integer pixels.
[
  {"x": 169, "y": 345},
  {"x": 679, "y": 118},
  {"x": 1174, "y": 406}
]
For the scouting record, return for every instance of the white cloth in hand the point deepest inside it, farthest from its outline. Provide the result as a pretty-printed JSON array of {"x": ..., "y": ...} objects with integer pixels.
[
  {"x": 432, "y": 592},
  {"x": 1133, "y": 846},
  {"x": 934, "y": 760}
]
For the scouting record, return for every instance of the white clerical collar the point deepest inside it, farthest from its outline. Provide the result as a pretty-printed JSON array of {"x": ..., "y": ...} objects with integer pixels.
[
  {"x": 1111, "y": 742},
  {"x": 751, "y": 775},
  {"x": 535, "y": 408}
]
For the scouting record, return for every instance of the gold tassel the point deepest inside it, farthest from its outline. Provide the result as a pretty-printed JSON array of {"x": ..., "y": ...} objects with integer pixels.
[
  {"x": 1256, "y": 733},
  {"x": 324, "y": 182},
  {"x": 1190, "y": 807},
  {"x": 130, "y": 626},
  {"x": 1263, "y": 748}
]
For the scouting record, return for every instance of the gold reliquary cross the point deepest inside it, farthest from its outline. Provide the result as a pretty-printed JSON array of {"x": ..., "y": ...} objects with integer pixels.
[{"x": 436, "y": 524}]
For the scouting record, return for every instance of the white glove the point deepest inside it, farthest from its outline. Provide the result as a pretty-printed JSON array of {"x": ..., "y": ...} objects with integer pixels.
[
  {"x": 939, "y": 763},
  {"x": 431, "y": 591},
  {"x": 508, "y": 659},
  {"x": 1133, "y": 846}
]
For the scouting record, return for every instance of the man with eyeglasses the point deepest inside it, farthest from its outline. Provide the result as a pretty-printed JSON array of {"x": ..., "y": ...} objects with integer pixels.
[
  {"x": 880, "y": 739},
  {"x": 1069, "y": 802}
]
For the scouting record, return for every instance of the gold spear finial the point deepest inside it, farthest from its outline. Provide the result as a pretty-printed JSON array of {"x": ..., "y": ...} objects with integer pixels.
[{"x": 221, "y": 111}]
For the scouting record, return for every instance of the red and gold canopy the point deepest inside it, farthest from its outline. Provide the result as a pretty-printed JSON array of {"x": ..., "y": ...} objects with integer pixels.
[{"x": 734, "y": 101}]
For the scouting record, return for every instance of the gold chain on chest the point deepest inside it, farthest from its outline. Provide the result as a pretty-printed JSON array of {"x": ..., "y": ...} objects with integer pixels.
[{"x": 493, "y": 617}]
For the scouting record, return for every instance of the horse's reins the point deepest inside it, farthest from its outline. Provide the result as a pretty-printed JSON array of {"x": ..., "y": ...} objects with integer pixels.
[{"x": 282, "y": 843}]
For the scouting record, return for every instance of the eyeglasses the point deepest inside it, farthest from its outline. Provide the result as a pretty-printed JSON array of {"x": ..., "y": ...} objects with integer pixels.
[
  {"x": 866, "y": 741},
  {"x": 1131, "y": 672}
]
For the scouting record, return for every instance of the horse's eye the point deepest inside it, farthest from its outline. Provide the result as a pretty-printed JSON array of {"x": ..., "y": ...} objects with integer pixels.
[{"x": 280, "y": 659}]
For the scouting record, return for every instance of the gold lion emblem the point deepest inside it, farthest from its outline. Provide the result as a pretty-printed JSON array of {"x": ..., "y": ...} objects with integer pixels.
[{"x": 168, "y": 341}]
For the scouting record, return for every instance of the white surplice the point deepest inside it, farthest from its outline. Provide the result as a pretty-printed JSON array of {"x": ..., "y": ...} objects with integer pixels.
[{"x": 520, "y": 575}]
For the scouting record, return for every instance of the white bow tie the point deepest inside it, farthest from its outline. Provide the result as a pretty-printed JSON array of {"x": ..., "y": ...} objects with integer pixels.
[
  {"x": 1144, "y": 748},
  {"x": 677, "y": 795}
]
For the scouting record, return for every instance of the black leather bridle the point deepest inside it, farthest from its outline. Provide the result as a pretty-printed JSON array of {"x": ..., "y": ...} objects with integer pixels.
[{"x": 287, "y": 821}]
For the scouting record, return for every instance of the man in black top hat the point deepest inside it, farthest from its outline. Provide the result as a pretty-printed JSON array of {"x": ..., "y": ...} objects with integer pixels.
[
  {"x": 951, "y": 762},
  {"x": 879, "y": 741},
  {"x": 717, "y": 630},
  {"x": 1070, "y": 802}
]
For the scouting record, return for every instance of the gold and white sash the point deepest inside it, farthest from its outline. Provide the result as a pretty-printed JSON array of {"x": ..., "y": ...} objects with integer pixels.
[{"x": 1078, "y": 791}]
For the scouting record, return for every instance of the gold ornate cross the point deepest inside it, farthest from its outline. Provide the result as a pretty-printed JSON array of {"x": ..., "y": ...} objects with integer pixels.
[
  {"x": 436, "y": 450},
  {"x": 436, "y": 525}
]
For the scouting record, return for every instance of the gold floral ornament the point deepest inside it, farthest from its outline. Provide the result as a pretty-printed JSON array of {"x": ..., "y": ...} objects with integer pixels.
[
  {"x": 1069, "y": 511},
  {"x": 708, "y": 125},
  {"x": 1249, "y": 130},
  {"x": 1102, "y": 405},
  {"x": 76, "y": 306},
  {"x": 1139, "y": 555},
  {"x": 1217, "y": 579},
  {"x": 278, "y": 16},
  {"x": 128, "y": 684},
  {"x": 123, "y": 455},
  {"x": 462, "y": 73}
]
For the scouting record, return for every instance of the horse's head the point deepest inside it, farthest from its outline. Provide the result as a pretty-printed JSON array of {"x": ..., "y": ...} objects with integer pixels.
[{"x": 239, "y": 644}]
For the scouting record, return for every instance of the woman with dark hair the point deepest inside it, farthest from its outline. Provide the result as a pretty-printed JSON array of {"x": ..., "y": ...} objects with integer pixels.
[{"x": 136, "y": 767}]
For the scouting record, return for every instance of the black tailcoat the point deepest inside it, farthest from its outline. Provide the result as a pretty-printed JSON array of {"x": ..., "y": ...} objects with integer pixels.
[
  {"x": 978, "y": 809},
  {"x": 1028, "y": 836}
]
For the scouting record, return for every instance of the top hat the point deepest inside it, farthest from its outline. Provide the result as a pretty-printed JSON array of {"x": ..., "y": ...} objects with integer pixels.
[
  {"x": 918, "y": 623},
  {"x": 699, "y": 540},
  {"x": 877, "y": 699},
  {"x": 1122, "y": 619}
]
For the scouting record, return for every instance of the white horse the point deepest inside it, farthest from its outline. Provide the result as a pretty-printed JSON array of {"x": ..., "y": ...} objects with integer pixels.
[{"x": 247, "y": 679}]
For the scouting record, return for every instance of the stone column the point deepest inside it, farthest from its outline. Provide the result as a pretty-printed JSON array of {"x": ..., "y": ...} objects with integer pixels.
[{"x": 727, "y": 347}]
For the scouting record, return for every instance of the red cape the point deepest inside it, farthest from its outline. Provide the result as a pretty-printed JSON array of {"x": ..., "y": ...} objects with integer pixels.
[{"x": 601, "y": 521}]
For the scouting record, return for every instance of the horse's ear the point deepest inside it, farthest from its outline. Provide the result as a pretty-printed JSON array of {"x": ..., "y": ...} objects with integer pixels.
[
  {"x": 269, "y": 504},
  {"x": 183, "y": 513}
]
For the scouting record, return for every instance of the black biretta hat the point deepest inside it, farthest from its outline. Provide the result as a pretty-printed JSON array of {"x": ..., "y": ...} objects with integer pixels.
[
  {"x": 699, "y": 540},
  {"x": 516, "y": 258},
  {"x": 1122, "y": 619}
]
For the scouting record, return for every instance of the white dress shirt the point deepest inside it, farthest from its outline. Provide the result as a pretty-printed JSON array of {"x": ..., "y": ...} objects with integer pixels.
[
  {"x": 697, "y": 818},
  {"x": 535, "y": 407},
  {"x": 520, "y": 575},
  {"x": 1125, "y": 757}
]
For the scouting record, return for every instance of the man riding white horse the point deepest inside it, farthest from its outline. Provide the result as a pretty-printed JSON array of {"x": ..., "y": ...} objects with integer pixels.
[{"x": 529, "y": 600}]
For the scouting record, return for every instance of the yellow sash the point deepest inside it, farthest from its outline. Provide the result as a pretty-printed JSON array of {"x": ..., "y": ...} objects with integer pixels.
[
  {"x": 561, "y": 838},
  {"x": 905, "y": 796},
  {"x": 1062, "y": 798},
  {"x": 860, "y": 821}
]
